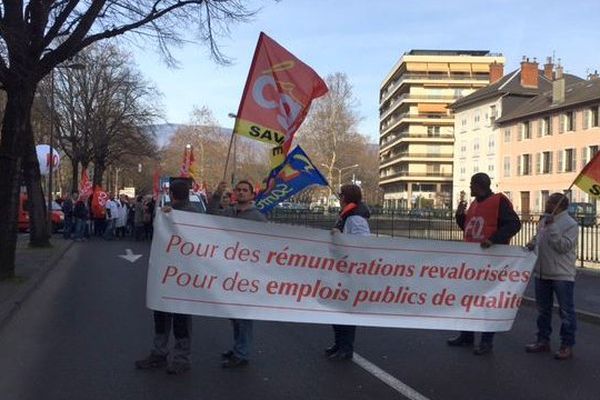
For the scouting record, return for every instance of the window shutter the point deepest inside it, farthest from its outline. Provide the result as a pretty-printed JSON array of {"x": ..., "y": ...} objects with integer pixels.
[
  {"x": 559, "y": 160},
  {"x": 584, "y": 156},
  {"x": 520, "y": 133},
  {"x": 586, "y": 118},
  {"x": 561, "y": 123},
  {"x": 540, "y": 129},
  {"x": 573, "y": 121},
  {"x": 519, "y": 166},
  {"x": 550, "y": 125},
  {"x": 538, "y": 163},
  {"x": 550, "y": 162},
  {"x": 529, "y": 164},
  {"x": 574, "y": 161}
]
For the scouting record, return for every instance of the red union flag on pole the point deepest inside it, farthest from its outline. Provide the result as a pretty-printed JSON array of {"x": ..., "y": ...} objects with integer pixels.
[
  {"x": 277, "y": 96},
  {"x": 588, "y": 179},
  {"x": 85, "y": 186}
]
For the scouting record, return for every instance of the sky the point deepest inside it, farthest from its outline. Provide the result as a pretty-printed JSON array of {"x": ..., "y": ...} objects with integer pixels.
[{"x": 364, "y": 39}]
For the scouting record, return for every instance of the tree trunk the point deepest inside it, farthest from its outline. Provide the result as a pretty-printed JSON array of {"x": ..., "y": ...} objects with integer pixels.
[
  {"x": 75, "y": 175},
  {"x": 16, "y": 126},
  {"x": 39, "y": 229},
  {"x": 98, "y": 173}
]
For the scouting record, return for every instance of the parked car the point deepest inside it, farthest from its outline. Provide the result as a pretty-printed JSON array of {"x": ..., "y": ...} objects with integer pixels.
[
  {"x": 583, "y": 213},
  {"x": 197, "y": 202},
  {"x": 57, "y": 216}
]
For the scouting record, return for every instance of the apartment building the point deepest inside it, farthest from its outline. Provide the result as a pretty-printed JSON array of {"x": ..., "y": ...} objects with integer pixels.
[
  {"x": 416, "y": 125},
  {"x": 476, "y": 135},
  {"x": 547, "y": 141}
]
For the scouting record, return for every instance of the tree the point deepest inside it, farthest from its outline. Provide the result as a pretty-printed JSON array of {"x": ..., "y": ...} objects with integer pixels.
[
  {"x": 36, "y": 36},
  {"x": 330, "y": 136},
  {"x": 210, "y": 143}
]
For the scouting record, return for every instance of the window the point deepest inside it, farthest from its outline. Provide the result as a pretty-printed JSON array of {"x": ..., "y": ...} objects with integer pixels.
[
  {"x": 547, "y": 126},
  {"x": 526, "y": 130},
  {"x": 476, "y": 146},
  {"x": 476, "y": 119},
  {"x": 526, "y": 164},
  {"x": 569, "y": 160},
  {"x": 570, "y": 121},
  {"x": 475, "y": 168},
  {"x": 493, "y": 113},
  {"x": 546, "y": 162},
  {"x": 507, "y": 135},
  {"x": 433, "y": 131},
  {"x": 594, "y": 117},
  {"x": 506, "y": 166},
  {"x": 545, "y": 196},
  {"x": 491, "y": 144},
  {"x": 491, "y": 169}
]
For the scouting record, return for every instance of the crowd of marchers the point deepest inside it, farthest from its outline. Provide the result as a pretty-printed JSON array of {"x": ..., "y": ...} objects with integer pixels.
[
  {"x": 119, "y": 217},
  {"x": 488, "y": 220}
]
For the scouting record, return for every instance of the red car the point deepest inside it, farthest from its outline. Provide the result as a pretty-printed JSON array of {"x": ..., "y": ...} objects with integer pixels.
[{"x": 58, "y": 218}]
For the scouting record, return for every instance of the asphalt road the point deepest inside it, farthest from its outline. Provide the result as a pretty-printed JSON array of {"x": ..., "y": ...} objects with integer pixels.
[{"x": 77, "y": 336}]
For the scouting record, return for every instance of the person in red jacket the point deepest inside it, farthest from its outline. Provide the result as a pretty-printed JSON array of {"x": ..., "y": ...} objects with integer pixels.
[{"x": 489, "y": 220}]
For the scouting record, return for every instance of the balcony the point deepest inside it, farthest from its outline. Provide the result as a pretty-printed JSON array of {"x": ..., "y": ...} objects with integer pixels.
[
  {"x": 412, "y": 176},
  {"x": 417, "y": 98},
  {"x": 390, "y": 141},
  {"x": 425, "y": 77},
  {"x": 394, "y": 120},
  {"x": 408, "y": 156}
]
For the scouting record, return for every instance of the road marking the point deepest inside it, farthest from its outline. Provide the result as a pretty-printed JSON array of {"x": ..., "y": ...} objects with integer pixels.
[
  {"x": 129, "y": 256},
  {"x": 388, "y": 379}
]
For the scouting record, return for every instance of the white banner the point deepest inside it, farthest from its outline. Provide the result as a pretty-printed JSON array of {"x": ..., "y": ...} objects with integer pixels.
[{"x": 226, "y": 267}]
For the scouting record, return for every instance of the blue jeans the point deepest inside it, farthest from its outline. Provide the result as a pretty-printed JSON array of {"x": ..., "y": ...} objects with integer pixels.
[
  {"x": 109, "y": 231},
  {"x": 544, "y": 291},
  {"x": 344, "y": 337},
  {"x": 242, "y": 337},
  {"x": 68, "y": 228},
  {"x": 79, "y": 228}
]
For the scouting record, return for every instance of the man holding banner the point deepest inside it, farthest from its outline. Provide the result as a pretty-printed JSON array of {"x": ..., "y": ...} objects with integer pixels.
[
  {"x": 555, "y": 244},
  {"x": 489, "y": 220},
  {"x": 244, "y": 209}
]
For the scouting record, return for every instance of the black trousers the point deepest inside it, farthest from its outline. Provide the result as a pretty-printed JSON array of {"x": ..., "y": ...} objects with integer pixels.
[
  {"x": 344, "y": 337},
  {"x": 486, "y": 337}
]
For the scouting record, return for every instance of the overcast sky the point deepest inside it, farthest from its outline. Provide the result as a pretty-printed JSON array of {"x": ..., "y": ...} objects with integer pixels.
[{"x": 364, "y": 39}]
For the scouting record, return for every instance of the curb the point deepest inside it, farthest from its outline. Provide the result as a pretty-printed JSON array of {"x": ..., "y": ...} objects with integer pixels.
[
  {"x": 13, "y": 304},
  {"x": 585, "y": 316}
]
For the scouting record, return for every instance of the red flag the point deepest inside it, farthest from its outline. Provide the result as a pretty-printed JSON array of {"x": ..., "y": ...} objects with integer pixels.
[
  {"x": 99, "y": 199},
  {"x": 85, "y": 186},
  {"x": 277, "y": 96},
  {"x": 588, "y": 179}
]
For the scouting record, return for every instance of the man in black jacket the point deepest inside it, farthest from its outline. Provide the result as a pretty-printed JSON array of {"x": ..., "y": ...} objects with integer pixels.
[{"x": 489, "y": 220}]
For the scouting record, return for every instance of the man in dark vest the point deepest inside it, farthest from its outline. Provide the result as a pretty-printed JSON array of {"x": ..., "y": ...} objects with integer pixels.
[{"x": 489, "y": 220}]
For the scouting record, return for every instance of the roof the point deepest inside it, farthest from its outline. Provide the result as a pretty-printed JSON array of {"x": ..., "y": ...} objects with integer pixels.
[
  {"x": 580, "y": 92},
  {"x": 510, "y": 84},
  {"x": 419, "y": 52}
]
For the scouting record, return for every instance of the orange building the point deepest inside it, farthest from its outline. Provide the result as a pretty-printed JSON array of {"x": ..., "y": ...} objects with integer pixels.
[{"x": 547, "y": 140}]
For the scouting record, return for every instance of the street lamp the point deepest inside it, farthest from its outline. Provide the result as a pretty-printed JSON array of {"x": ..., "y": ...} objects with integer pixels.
[
  {"x": 232, "y": 143},
  {"x": 339, "y": 170},
  {"x": 76, "y": 66}
]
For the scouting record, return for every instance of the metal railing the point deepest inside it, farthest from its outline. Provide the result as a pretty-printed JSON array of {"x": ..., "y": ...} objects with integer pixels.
[{"x": 435, "y": 225}]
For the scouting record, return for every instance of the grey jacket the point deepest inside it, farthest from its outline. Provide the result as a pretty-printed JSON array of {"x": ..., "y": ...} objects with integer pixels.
[
  {"x": 232, "y": 211},
  {"x": 556, "y": 246}
]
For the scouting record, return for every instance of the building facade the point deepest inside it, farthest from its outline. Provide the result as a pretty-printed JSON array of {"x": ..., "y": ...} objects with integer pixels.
[
  {"x": 417, "y": 127},
  {"x": 477, "y": 135},
  {"x": 547, "y": 141}
]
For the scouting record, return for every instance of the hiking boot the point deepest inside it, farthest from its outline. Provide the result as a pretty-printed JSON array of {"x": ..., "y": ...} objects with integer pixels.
[
  {"x": 538, "y": 347},
  {"x": 153, "y": 361}
]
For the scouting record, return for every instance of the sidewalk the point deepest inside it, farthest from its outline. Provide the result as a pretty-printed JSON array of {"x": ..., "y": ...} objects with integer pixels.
[
  {"x": 32, "y": 266},
  {"x": 587, "y": 294}
]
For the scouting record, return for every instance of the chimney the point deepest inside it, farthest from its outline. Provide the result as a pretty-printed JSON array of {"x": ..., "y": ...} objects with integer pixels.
[
  {"x": 529, "y": 73},
  {"x": 496, "y": 72},
  {"x": 558, "y": 86},
  {"x": 548, "y": 68}
]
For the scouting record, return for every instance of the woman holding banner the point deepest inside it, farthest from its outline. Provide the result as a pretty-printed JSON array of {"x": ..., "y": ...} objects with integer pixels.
[{"x": 352, "y": 221}]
